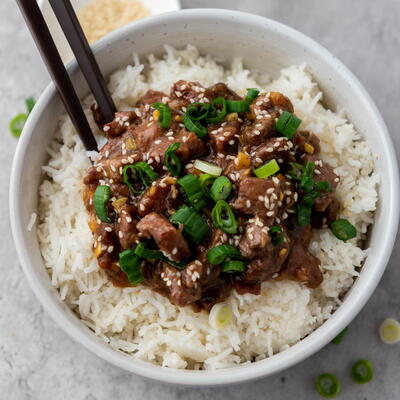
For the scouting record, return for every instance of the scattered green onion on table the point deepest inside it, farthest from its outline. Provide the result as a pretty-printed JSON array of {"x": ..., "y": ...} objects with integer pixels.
[
  {"x": 327, "y": 385},
  {"x": 362, "y": 371},
  {"x": 18, "y": 122}
]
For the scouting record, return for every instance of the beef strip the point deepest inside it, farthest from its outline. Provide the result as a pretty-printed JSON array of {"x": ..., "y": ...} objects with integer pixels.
[{"x": 168, "y": 238}]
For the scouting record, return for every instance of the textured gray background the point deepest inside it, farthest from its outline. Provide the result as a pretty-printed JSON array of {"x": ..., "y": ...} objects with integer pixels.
[{"x": 39, "y": 361}]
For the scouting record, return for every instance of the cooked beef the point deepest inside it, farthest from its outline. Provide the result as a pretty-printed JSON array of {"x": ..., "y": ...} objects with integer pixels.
[
  {"x": 258, "y": 197},
  {"x": 168, "y": 239},
  {"x": 271, "y": 243},
  {"x": 301, "y": 265}
]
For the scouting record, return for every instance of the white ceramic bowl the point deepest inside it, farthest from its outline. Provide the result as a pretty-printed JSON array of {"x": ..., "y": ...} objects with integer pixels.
[
  {"x": 154, "y": 6},
  {"x": 266, "y": 46}
]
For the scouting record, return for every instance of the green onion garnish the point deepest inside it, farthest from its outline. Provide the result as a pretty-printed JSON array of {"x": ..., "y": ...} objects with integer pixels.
[
  {"x": 193, "y": 116},
  {"x": 303, "y": 215},
  {"x": 306, "y": 181},
  {"x": 138, "y": 176},
  {"x": 218, "y": 254},
  {"x": 17, "y": 124},
  {"x": 165, "y": 116},
  {"x": 323, "y": 186},
  {"x": 144, "y": 252},
  {"x": 193, "y": 225},
  {"x": 191, "y": 187},
  {"x": 296, "y": 171},
  {"x": 148, "y": 254},
  {"x": 194, "y": 126},
  {"x": 268, "y": 169},
  {"x": 238, "y": 106},
  {"x": 207, "y": 167},
  {"x": 221, "y": 188},
  {"x": 100, "y": 200},
  {"x": 309, "y": 197},
  {"x": 362, "y": 371},
  {"x": 172, "y": 161},
  {"x": 327, "y": 385},
  {"x": 287, "y": 124},
  {"x": 233, "y": 266},
  {"x": 130, "y": 264},
  {"x": 223, "y": 217},
  {"x": 30, "y": 103},
  {"x": 276, "y": 234},
  {"x": 389, "y": 331},
  {"x": 343, "y": 229},
  {"x": 206, "y": 181},
  {"x": 338, "y": 339},
  {"x": 217, "y": 111},
  {"x": 251, "y": 94}
]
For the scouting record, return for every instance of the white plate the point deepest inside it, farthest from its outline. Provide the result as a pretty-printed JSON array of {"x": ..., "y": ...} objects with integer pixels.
[{"x": 154, "y": 6}]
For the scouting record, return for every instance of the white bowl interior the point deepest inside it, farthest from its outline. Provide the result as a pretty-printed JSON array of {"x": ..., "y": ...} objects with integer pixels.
[{"x": 266, "y": 46}]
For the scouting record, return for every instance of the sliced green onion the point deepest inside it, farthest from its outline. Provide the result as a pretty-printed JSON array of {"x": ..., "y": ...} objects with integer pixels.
[
  {"x": 130, "y": 263},
  {"x": 287, "y": 124},
  {"x": 327, "y": 385},
  {"x": 191, "y": 186},
  {"x": 252, "y": 93},
  {"x": 144, "y": 252},
  {"x": 389, "y": 331},
  {"x": 207, "y": 167},
  {"x": 309, "y": 197},
  {"x": 100, "y": 200},
  {"x": 206, "y": 181},
  {"x": 219, "y": 253},
  {"x": 172, "y": 161},
  {"x": 193, "y": 224},
  {"x": 297, "y": 171},
  {"x": 303, "y": 215},
  {"x": 30, "y": 103},
  {"x": 306, "y": 181},
  {"x": 233, "y": 266},
  {"x": 220, "y": 316},
  {"x": 217, "y": 111},
  {"x": 194, "y": 126},
  {"x": 223, "y": 217},
  {"x": 165, "y": 116},
  {"x": 343, "y": 229},
  {"x": 362, "y": 371},
  {"x": 148, "y": 254},
  {"x": 268, "y": 169},
  {"x": 197, "y": 111},
  {"x": 276, "y": 234},
  {"x": 221, "y": 188},
  {"x": 323, "y": 186},
  {"x": 238, "y": 106},
  {"x": 17, "y": 124},
  {"x": 138, "y": 174},
  {"x": 338, "y": 339}
]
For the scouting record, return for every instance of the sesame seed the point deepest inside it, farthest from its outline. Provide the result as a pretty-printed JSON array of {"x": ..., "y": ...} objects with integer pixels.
[
  {"x": 110, "y": 249},
  {"x": 108, "y": 229}
]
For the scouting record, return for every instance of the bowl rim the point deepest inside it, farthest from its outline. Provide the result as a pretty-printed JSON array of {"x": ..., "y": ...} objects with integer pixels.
[{"x": 246, "y": 372}]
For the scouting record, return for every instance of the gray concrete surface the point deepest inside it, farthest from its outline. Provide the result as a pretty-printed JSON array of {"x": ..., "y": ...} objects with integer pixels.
[{"x": 39, "y": 361}]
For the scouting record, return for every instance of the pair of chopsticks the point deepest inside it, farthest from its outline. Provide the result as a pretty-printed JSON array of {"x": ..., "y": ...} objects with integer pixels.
[{"x": 73, "y": 32}]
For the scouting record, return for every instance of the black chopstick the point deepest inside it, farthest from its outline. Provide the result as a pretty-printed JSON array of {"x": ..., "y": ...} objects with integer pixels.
[
  {"x": 41, "y": 34},
  {"x": 72, "y": 29}
]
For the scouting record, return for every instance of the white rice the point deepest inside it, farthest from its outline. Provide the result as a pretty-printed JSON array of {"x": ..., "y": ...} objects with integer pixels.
[{"x": 145, "y": 324}]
